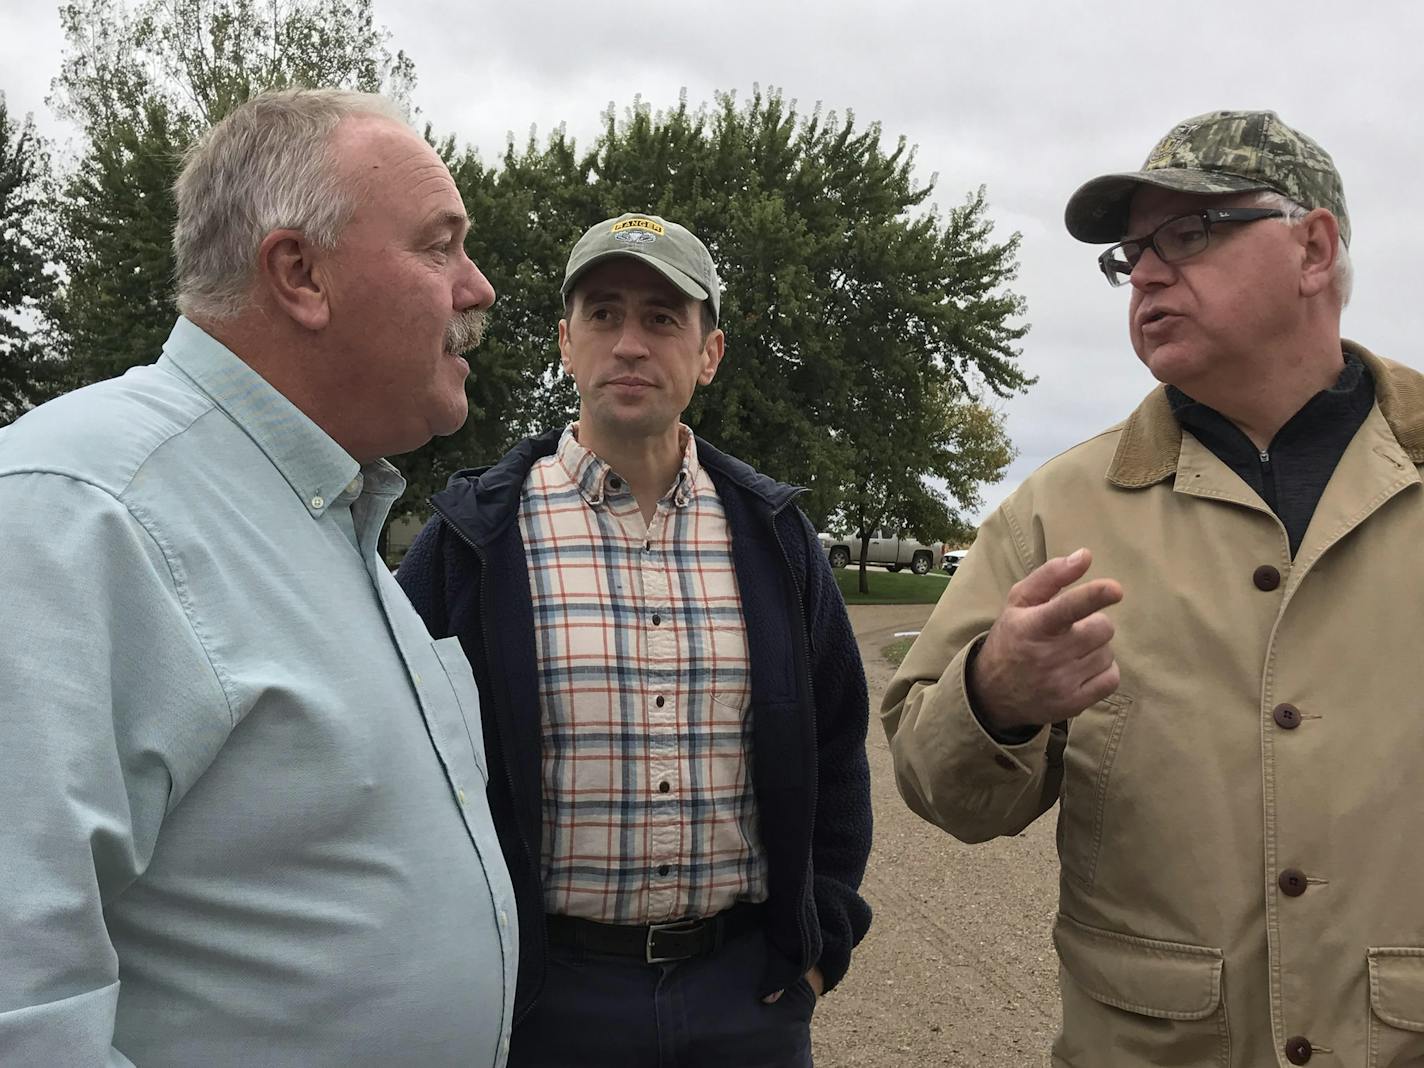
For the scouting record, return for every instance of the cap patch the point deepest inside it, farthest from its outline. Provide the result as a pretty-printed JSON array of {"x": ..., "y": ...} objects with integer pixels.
[
  {"x": 637, "y": 231},
  {"x": 1169, "y": 146}
]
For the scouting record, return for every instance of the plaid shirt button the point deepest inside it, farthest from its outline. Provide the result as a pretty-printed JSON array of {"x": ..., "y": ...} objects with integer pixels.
[{"x": 602, "y": 579}]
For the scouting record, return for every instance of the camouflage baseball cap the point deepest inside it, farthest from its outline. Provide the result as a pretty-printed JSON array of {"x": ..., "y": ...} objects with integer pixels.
[
  {"x": 671, "y": 250},
  {"x": 1219, "y": 152}
]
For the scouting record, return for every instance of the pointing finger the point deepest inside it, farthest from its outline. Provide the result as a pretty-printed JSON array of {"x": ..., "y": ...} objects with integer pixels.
[
  {"x": 1042, "y": 584},
  {"x": 1059, "y": 614}
]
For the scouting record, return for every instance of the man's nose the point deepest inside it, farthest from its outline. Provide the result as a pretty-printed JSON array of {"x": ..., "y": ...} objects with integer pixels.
[
  {"x": 1151, "y": 270},
  {"x": 474, "y": 290},
  {"x": 631, "y": 345}
]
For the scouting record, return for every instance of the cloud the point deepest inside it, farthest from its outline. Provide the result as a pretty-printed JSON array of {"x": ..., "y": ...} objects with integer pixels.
[{"x": 1027, "y": 99}]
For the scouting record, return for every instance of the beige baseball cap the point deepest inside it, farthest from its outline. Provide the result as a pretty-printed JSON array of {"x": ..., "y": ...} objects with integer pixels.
[{"x": 667, "y": 247}]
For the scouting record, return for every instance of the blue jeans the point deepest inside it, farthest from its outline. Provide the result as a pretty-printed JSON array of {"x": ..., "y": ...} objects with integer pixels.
[{"x": 599, "y": 1011}]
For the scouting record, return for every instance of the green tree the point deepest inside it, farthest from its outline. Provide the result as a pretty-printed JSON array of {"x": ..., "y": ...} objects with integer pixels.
[
  {"x": 856, "y": 315},
  {"x": 25, "y": 282},
  {"x": 924, "y": 473},
  {"x": 142, "y": 84}
]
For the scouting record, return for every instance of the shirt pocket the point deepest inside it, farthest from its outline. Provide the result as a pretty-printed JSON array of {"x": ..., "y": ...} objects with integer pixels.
[
  {"x": 1396, "y": 1006},
  {"x": 466, "y": 700},
  {"x": 1094, "y": 738},
  {"x": 729, "y": 667},
  {"x": 1130, "y": 1001}
]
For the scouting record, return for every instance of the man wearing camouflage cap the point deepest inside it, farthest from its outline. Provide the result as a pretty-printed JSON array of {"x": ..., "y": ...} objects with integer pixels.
[
  {"x": 674, "y": 706},
  {"x": 1226, "y": 712}
]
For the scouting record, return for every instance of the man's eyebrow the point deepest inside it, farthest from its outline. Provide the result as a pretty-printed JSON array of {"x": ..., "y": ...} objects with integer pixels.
[
  {"x": 617, "y": 296},
  {"x": 603, "y": 296},
  {"x": 447, "y": 220}
]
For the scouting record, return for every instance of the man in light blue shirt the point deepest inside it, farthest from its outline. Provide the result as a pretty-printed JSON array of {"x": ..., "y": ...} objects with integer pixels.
[{"x": 243, "y": 792}]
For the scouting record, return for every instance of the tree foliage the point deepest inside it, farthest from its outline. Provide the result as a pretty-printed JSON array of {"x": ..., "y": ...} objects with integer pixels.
[
  {"x": 861, "y": 324},
  {"x": 142, "y": 84},
  {"x": 25, "y": 282}
]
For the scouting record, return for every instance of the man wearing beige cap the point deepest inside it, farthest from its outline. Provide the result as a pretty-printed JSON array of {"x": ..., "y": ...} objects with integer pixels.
[
  {"x": 1225, "y": 708},
  {"x": 674, "y": 707}
]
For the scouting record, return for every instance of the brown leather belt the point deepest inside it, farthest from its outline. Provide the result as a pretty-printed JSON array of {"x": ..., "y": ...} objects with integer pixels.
[{"x": 659, "y": 942}]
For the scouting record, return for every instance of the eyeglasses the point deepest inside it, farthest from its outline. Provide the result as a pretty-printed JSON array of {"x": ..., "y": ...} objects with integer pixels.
[{"x": 1176, "y": 239}]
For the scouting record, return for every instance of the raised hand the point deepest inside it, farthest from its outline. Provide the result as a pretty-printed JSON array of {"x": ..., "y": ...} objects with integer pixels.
[{"x": 1049, "y": 654}]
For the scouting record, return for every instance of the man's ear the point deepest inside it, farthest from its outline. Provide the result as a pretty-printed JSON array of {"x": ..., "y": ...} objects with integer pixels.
[
  {"x": 1320, "y": 233},
  {"x": 287, "y": 270},
  {"x": 713, "y": 349},
  {"x": 564, "y": 348}
]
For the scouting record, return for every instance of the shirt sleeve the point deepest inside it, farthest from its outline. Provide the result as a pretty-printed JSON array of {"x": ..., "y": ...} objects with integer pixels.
[
  {"x": 949, "y": 769},
  {"x": 109, "y": 708}
]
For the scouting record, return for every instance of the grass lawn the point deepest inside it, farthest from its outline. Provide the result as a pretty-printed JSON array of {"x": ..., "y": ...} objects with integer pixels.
[
  {"x": 885, "y": 588},
  {"x": 896, "y": 650}
]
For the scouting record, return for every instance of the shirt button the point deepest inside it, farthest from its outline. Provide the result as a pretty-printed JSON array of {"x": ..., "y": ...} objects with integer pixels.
[
  {"x": 318, "y": 503},
  {"x": 660, "y": 702},
  {"x": 460, "y": 794},
  {"x": 1266, "y": 578},
  {"x": 664, "y": 786},
  {"x": 614, "y": 482},
  {"x": 1286, "y": 716},
  {"x": 1292, "y": 882},
  {"x": 503, "y": 918},
  {"x": 657, "y": 619},
  {"x": 1299, "y": 1050},
  {"x": 663, "y": 869}
]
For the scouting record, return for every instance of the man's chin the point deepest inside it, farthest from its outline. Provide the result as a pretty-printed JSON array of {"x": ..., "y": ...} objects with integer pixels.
[
  {"x": 1171, "y": 364},
  {"x": 452, "y": 421}
]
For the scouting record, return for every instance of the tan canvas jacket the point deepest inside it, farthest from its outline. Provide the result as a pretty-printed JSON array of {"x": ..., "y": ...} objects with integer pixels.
[{"x": 1241, "y": 826}]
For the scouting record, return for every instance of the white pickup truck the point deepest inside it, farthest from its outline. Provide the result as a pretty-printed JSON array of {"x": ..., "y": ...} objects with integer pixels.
[{"x": 885, "y": 550}]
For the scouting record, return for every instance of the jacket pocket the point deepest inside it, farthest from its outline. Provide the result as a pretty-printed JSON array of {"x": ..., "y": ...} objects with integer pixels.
[
  {"x": 466, "y": 698},
  {"x": 1130, "y": 1001},
  {"x": 1396, "y": 1007},
  {"x": 1093, "y": 741}
]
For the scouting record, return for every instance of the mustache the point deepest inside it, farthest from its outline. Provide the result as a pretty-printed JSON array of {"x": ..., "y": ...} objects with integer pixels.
[{"x": 466, "y": 331}]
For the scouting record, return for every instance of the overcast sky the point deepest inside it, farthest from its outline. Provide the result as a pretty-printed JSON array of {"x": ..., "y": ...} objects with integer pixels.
[{"x": 1027, "y": 99}]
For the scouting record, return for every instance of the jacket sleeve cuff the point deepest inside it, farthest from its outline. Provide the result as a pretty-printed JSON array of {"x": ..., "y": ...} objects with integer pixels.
[
  {"x": 1007, "y": 736},
  {"x": 951, "y": 771},
  {"x": 844, "y": 918}
]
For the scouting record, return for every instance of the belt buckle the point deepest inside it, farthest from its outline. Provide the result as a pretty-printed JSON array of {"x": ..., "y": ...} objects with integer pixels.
[{"x": 676, "y": 927}]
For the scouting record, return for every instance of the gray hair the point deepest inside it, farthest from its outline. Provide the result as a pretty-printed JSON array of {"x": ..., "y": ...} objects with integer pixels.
[
  {"x": 266, "y": 166},
  {"x": 1343, "y": 279}
]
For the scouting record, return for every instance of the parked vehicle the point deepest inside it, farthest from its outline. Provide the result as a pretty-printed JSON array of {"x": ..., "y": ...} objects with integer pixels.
[
  {"x": 886, "y": 550},
  {"x": 952, "y": 559}
]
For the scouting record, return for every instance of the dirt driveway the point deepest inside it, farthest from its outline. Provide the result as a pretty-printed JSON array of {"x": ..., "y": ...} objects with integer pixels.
[{"x": 958, "y": 968}]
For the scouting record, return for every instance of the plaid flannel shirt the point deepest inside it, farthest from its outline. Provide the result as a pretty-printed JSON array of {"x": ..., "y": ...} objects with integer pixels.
[{"x": 644, "y": 692}]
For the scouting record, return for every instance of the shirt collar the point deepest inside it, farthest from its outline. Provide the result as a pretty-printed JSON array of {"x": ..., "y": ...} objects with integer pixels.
[
  {"x": 1330, "y": 417},
  {"x": 316, "y": 467},
  {"x": 1151, "y": 439},
  {"x": 595, "y": 479}
]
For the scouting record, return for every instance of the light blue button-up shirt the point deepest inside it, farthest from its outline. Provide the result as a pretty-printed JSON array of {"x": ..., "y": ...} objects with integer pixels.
[{"x": 242, "y": 793}]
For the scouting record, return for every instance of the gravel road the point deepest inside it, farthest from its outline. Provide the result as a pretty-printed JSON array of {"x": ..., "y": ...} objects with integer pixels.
[{"x": 958, "y": 968}]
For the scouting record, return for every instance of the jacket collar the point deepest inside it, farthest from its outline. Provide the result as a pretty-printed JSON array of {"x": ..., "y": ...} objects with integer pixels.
[
  {"x": 482, "y": 501},
  {"x": 1151, "y": 438}
]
